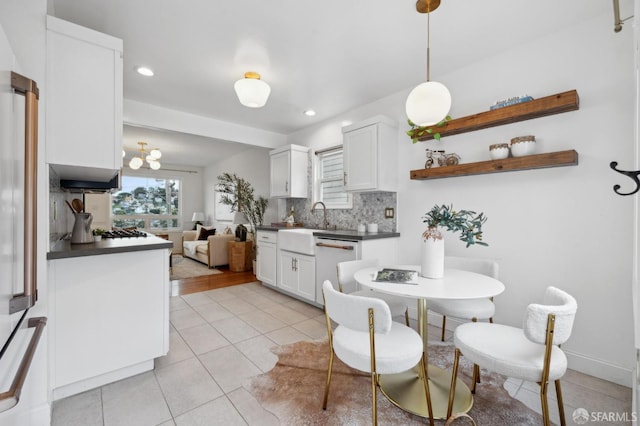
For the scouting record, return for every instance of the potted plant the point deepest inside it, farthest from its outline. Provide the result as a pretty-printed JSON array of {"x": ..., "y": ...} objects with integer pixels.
[
  {"x": 238, "y": 193},
  {"x": 98, "y": 233},
  {"x": 467, "y": 222}
]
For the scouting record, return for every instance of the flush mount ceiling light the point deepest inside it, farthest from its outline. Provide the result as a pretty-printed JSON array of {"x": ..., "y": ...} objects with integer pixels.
[
  {"x": 309, "y": 113},
  {"x": 152, "y": 159},
  {"x": 429, "y": 102},
  {"x": 252, "y": 92},
  {"x": 147, "y": 72}
]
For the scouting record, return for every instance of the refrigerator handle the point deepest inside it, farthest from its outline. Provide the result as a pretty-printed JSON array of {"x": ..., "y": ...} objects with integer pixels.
[
  {"x": 10, "y": 398},
  {"x": 29, "y": 89}
]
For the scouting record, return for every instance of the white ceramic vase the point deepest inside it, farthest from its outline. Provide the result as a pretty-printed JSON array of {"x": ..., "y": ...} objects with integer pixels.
[{"x": 432, "y": 259}]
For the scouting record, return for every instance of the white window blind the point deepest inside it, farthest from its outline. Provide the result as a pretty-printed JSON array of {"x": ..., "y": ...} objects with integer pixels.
[{"x": 330, "y": 179}]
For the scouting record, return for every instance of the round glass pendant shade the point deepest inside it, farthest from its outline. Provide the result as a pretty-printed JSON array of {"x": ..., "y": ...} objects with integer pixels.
[
  {"x": 155, "y": 165},
  {"x": 428, "y": 103},
  {"x": 155, "y": 153},
  {"x": 135, "y": 163},
  {"x": 252, "y": 92}
]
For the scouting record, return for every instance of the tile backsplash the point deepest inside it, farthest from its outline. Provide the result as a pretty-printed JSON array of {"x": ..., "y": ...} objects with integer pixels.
[{"x": 368, "y": 207}]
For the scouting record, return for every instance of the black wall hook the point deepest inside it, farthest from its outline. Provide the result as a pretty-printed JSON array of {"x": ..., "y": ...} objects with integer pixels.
[{"x": 632, "y": 174}]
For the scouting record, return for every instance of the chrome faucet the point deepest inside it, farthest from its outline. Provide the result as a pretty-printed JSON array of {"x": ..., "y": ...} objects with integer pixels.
[{"x": 325, "y": 222}]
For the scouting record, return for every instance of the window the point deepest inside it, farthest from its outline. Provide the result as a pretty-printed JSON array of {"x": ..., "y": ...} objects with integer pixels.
[
  {"x": 148, "y": 203},
  {"x": 330, "y": 180}
]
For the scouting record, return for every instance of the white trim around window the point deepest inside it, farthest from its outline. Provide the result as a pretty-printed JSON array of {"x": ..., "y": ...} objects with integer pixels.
[{"x": 328, "y": 182}]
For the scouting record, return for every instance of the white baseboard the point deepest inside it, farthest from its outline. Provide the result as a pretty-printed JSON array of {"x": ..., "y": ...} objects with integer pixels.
[
  {"x": 94, "y": 382},
  {"x": 578, "y": 362}
]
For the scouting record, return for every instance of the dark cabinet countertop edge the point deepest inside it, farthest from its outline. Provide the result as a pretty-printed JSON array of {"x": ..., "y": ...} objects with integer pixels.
[
  {"x": 338, "y": 234},
  {"x": 65, "y": 250}
]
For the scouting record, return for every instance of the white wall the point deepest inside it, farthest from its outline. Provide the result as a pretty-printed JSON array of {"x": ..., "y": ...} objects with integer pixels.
[
  {"x": 562, "y": 226},
  {"x": 251, "y": 165}
]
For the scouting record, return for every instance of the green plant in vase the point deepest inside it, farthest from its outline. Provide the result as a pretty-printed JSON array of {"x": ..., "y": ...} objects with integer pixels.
[{"x": 467, "y": 222}]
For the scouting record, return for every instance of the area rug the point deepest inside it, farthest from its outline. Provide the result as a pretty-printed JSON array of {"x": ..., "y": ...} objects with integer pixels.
[
  {"x": 183, "y": 267},
  {"x": 294, "y": 388}
]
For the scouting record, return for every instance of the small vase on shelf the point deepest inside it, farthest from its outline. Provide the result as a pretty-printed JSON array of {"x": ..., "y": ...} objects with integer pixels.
[{"x": 432, "y": 259}]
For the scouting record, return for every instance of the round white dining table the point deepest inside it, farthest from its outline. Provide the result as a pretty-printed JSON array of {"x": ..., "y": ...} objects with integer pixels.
[{"x": 403, "y": 389}]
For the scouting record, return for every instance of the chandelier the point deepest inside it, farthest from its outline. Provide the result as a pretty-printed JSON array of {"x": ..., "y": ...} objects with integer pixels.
[{"x": 152, "y": 158}]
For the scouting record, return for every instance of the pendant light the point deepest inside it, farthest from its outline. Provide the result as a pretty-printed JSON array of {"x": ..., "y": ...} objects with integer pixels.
[{"x": 429, "y": 102}]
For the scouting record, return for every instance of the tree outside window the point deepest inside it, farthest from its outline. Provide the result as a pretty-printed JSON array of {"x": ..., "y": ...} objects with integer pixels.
[{"x": 148, "y": 203}]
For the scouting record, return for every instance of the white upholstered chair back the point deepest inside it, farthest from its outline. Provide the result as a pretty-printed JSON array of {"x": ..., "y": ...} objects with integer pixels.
[
  {"x": 353, "y": 311},
  {"x": 556, "y": 302},
  {"x": 481, "y": 266},
  {"x": 346, "y": 271}
]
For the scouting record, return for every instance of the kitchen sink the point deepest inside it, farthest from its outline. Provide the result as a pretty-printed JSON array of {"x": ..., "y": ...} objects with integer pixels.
[{"x": 299, "y": 240}]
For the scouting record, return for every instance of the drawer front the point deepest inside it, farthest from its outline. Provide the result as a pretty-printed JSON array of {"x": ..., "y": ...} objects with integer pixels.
[{"x": 267, "y": 237}]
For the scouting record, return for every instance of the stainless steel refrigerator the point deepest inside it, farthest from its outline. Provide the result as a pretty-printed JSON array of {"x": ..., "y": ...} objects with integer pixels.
[{"x": 20, "y": 331}]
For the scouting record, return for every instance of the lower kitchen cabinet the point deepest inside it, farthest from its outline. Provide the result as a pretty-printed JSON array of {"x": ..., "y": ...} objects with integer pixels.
[
  {"x": 297, "y": 274},
  {"x": 109, "y": 317},
  {"x": 266, "y": 257}
]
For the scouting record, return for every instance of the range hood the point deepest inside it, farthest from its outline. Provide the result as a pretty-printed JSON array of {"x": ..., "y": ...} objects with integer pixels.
[{"x": 79, "y": 185}]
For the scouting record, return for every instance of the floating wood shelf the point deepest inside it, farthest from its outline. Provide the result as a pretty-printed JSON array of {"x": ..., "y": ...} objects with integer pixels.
[
  {"x": 549, "y": 105},
  {"x": 536, "y": 161}
]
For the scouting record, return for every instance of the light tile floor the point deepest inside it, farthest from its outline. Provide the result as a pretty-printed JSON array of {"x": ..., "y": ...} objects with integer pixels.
[{"x": 220, "y": 338}]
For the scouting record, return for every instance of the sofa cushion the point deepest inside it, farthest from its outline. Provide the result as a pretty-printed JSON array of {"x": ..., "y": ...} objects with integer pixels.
[
  {"x": 190, "y": 247},
  {"x": 205, "y": 232}
]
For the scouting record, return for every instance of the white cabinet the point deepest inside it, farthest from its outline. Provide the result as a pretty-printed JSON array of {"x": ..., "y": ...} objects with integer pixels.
[
  {"x": 289, "y": 171},
  {"x": 84, "y": 101},
  {"x": 109, "y": 317},
  {"x": 370, "y": 155},
  {"x": 267, "y": 256},
  {"x": 297, "y": 274}
]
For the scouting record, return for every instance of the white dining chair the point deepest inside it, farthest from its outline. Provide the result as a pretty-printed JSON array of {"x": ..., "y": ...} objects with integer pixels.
[
  {"x": 346, "y": 281},
  {"x": 530, "y": 353},
  {"x": 367, "y": 339},
  {"x": 466, "y": 309}
]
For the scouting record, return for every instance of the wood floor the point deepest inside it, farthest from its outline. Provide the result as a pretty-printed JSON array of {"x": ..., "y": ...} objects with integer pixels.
[{"x": 209, "y": 282}]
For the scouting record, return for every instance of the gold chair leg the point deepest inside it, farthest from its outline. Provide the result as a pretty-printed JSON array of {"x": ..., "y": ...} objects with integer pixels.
[
  {"x": 444, "y": 325},
  {"x": 425, "y": 380},
  {"x": 328, "y": 382},
  {"x": 545, "y": 404},
  {"x": 563, "y": 422},
  {"x": 454, "y": 376},
  {"x": 374, "y": 402},
  {"x": 474, "y": 379},
  {"x": 406, "y": 317}
]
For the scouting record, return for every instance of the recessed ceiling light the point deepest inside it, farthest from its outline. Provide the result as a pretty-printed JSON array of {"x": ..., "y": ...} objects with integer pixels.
[
  {"x": 147, "y": 72},
  {"x": 309, "y": 113}
]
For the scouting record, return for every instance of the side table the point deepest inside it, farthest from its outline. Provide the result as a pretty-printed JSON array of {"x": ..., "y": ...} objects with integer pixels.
[{"x": 240, "y": 255}]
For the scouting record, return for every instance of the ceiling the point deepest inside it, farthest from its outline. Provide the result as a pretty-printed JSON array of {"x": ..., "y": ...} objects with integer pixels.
[{"x": 330, "y": 56}]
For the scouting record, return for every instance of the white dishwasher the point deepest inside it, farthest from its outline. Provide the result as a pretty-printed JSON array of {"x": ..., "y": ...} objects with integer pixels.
[{"x": 329, "y": 252}]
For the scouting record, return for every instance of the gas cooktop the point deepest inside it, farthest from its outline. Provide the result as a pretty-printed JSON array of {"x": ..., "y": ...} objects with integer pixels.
[{"x": 124, "y": 233}]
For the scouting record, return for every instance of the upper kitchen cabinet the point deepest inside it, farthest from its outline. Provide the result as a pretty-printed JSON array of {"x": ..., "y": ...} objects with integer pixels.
[
  {"x": 370, "y": 153},
  {"x": 84, "y": 102},
  {"x": 289, "y": 171}
]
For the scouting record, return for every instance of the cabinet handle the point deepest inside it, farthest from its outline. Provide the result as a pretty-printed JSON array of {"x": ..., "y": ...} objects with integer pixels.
[
  {"x": 344, "y": 179},
  {"x": 10, "y": 398},
  {"x": 29, "y": 89},
  {"x": 286, "y": 186}
]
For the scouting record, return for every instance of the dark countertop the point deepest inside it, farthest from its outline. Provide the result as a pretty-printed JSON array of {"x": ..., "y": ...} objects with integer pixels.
[
  {"x": 338, "y": 234},
  {"x": 63, "y": 249}
]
